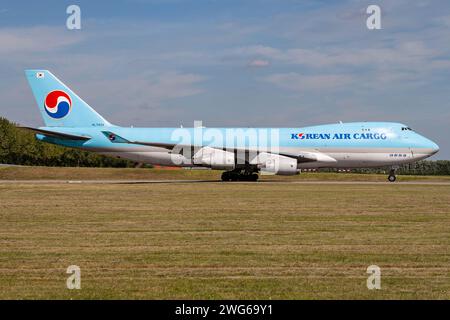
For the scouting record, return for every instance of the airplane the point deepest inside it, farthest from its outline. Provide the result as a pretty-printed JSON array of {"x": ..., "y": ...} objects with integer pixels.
[{"x": 242, "y": 153}]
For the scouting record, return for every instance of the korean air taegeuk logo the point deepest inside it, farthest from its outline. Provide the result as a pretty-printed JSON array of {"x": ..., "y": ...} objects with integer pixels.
[{"x": 58, "y": 104}]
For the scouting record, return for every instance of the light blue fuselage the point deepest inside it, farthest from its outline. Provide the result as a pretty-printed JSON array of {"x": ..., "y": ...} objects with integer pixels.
[{"x": 360, "y": 144}]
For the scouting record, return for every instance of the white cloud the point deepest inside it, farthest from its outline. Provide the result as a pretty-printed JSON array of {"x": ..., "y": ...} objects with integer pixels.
[
  {"x": 303, "y": 83},
  {"x": 36, "y": 39},
  {"x": 255, "y": 50},
  {"x": 259, "y": 63},
  {"x": 405, "y": 54},
  {"x": 444, "y": 21},
  {"x": 239, "y": 29},
  {"x": 145, "y": 90},
  {"x": 174, "y": 85}
]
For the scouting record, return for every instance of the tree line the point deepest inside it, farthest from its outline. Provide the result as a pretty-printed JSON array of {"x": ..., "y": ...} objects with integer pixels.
[
  {"x": 18, "y": 146},
  {"x": 420, "y": 168}
]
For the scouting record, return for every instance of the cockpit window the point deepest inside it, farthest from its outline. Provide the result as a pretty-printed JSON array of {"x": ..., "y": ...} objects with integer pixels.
[{"x": 406, "y": 129}]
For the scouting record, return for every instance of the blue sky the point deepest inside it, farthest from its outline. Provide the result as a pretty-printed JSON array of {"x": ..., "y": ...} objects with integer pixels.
[{"x": 286, "y": 63}]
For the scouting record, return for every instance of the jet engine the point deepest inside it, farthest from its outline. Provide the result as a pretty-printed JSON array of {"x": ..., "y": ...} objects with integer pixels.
[
  {"x": 276, "y": 164},
  {"x": 215, "y": 158}
]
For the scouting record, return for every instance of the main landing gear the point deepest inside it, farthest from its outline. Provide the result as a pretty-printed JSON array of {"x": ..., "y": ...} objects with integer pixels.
[
  {"x": 392, "y": 176},
  {"x": 241, "y": 174}
]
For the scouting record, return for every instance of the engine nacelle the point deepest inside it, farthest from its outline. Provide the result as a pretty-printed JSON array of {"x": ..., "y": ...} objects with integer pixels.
[
  {"x": 214, "y": 158},
  {"x": 276, "y": 164}
]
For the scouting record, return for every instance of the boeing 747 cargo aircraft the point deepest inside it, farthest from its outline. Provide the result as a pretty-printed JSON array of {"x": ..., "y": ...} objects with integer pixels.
[{"x": 241, "y": 152}]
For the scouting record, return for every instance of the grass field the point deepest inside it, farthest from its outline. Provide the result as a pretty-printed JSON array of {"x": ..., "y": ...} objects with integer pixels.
[
  {"x": 74, "y": 174},
  {"x": 222, "y": 240}
]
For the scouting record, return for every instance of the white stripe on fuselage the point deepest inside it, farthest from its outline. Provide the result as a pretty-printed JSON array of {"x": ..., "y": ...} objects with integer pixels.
[{"x": 345, "y": 157}]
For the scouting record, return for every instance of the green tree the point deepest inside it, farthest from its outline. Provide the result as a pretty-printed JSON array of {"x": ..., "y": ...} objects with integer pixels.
[{"x": 18, "y": 146}]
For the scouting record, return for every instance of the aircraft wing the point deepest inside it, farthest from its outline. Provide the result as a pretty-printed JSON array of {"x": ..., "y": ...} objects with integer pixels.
[
  {"x": 114, "y": 138},
  {"x": 59, "y": 135},
  {"x": 304, "y": 156}
]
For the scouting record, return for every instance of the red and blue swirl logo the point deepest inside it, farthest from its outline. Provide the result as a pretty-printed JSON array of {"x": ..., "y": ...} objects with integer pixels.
[{"x": 58, "y": 104}]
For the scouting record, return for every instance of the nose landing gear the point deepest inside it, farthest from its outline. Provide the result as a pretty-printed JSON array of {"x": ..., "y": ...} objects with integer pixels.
[{"x": 392, "y": 176}]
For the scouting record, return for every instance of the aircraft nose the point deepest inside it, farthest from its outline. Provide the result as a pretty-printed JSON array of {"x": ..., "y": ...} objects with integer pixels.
[{"x": 434, "y": 147}]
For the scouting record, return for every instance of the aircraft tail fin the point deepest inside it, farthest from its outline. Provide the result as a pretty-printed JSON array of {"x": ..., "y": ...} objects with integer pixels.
[{"x": 60, "y": 106}]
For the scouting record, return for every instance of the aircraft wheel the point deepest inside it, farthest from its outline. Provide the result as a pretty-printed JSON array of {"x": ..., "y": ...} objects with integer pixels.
[
  {"x": 225, "y": 176},
  {"x": 254, "y": 177},
  {"x": 392, "y": 178}
]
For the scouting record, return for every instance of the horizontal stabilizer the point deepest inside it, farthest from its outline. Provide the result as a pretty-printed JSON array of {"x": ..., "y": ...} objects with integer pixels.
[{"x": 55, "y": 134}]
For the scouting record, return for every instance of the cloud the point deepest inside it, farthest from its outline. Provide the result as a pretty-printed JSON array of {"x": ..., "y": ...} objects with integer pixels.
[
  {"x": 444, "y": 21},
  {"x": 238, "y": 29},
  {"x": 130, "y": 96},
  {"x": 403, "y": 54},
  {"x": 304, "y": 83},
  {"x": 36, "y": 39},
  {"x": 255, "y": 50},
  {"x": 174, "y": 85},
  {"x": 259, "y": 63},
  {"x": 407, "y": 63}
]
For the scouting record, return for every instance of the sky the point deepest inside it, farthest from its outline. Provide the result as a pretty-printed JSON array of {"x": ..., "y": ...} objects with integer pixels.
[{"x": 236, "y": 63}]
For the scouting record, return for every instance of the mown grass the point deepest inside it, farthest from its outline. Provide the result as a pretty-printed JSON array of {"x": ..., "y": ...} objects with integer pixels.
[
  {"x": 62, "y": 173},
  {"x": 224, "y": 240}
]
